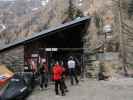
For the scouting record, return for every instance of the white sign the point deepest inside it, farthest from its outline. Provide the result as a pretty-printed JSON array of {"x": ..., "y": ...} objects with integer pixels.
[
  {"x": 54, "y": 49},
  {"x": 51, "y": 49},
  {"x": 47, "y": 49},
  {"x": 34, "y": 55},
  {"x": 107, "y": 28},
  {"x": 109, "y": 37}
]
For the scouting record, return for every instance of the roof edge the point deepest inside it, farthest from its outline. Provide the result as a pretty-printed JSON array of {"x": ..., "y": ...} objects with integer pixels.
[{"x": 52, "y": 29}]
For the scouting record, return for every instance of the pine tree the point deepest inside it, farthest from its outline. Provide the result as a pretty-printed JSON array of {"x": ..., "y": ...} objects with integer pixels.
[{"x": 73, "y": 12}]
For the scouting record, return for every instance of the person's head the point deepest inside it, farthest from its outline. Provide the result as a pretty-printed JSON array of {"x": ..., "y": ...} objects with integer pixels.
[
  {"x": 71, "y": 58},
  {"x": 43, "y": 61},
  {"x": 57, "y": 63}
]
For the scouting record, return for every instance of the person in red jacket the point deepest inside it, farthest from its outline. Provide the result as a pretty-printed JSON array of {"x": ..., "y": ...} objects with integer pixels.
[{"x": 57, "y": 76}]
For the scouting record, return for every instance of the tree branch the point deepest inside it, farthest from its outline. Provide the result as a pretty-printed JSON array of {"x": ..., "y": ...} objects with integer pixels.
[{"x": 127, "y": 26}]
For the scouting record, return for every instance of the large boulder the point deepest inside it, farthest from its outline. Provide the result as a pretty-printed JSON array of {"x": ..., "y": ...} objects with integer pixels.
[{"x": 105, "y": 70}]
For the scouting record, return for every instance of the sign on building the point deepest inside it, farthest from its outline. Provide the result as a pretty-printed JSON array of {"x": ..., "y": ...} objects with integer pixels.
[
  {"x": 51, "y": 49},
  {"x": 34, "y": 55}
]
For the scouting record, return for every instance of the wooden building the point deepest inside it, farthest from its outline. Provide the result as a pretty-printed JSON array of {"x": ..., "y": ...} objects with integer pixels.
[{"x": 57, "y": 42}]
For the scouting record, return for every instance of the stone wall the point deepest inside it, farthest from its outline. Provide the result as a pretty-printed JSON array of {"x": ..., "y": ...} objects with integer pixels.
[{"x": 13, "y": 58}]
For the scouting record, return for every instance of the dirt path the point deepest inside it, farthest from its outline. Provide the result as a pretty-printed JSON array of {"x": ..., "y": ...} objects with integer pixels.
[{"x": 115, "y": 89}]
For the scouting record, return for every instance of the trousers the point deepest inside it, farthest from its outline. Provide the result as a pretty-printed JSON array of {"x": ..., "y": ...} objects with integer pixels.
[
  {"x": 59, "y": 85},
  {"x": 72, "y": 73},
  {"x": 43, "y": 80}
]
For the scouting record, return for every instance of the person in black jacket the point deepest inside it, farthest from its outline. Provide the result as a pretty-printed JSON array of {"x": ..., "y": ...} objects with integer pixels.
[
  {"x": 63, "y": 77},
  {"x": 43, "y": 76}
]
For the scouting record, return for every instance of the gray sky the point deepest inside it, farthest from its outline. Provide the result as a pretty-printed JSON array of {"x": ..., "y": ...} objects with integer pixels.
[{"x": 7, "y": 0}]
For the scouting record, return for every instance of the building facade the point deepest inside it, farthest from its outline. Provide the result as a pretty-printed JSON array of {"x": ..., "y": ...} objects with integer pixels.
[{"x": 67, "y": 38}]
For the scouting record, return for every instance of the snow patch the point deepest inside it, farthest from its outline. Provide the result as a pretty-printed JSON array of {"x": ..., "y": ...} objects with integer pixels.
[
  {"x": 44, "y": 2},
  {"x": 34, "y": 9},
  {"x": 2, "y": 27}
]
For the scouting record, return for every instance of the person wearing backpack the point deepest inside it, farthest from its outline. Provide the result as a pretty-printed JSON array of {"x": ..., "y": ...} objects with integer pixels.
[{"x": 72, "y": 70}]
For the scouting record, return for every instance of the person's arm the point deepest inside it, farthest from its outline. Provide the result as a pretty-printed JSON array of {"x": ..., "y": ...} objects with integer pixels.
[
  {"x": 52, "y": 72},
  {"x": 46, "y": 67}
]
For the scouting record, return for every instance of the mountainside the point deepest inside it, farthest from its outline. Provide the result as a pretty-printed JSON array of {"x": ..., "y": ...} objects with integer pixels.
[
  {"x": 110, "y": 30},
  {"x": 23, "y": 18}
]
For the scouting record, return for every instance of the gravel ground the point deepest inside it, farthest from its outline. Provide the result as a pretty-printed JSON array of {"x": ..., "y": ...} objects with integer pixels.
[{"x": 115, "y": 89}]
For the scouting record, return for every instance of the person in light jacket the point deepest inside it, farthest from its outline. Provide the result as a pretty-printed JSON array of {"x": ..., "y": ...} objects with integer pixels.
[{"x": 72, "y": 70}]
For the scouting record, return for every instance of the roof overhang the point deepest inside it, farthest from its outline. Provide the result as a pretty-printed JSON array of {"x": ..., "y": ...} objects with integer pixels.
[{"x": 85, "y": 20}]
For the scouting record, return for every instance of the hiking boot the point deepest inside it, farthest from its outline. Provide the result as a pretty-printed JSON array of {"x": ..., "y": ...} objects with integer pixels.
[
  {"x": 41, "y": 89},
  {"x": 63, "y": 94},
  {"x": 66, "y": 90},
  {"x": 77, "y": 82}
]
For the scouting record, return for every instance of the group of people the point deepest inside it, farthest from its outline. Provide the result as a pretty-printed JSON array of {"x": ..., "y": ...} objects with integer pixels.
[{"x": 58, "y": 76}]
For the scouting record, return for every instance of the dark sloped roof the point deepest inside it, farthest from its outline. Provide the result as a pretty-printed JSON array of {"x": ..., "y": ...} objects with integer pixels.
[{"x": 45, "y": 33}]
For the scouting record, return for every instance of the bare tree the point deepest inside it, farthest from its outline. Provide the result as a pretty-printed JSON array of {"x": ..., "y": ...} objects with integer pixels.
[{"x": 122, "y": 40}]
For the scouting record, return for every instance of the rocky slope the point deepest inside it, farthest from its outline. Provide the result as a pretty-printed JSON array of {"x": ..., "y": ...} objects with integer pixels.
[{"x": 22, "y": 18}]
